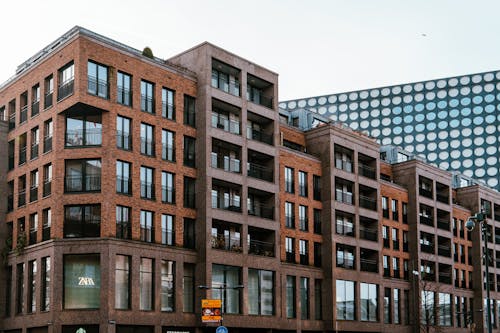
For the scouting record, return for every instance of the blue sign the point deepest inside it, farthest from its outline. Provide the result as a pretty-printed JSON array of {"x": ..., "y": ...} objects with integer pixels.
[{"x": 221, "y": 329}]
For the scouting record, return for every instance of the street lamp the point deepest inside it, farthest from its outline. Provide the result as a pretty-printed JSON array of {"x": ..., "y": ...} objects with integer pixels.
[
  {"x": 469, "y": 225},
  {"x": 222, "y": 289}
]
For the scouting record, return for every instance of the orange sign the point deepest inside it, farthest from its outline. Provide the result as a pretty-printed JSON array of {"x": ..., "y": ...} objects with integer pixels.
[{"x": 211, "y": 310}]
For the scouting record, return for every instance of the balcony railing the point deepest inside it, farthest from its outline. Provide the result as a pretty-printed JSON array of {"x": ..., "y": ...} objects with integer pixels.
[
  {"x": 261, "y": 210},
  {"x": 124, "y": 96},
  {"x": 342, "y": 164},
  {"x": 259, "y": 136},
  {"x": 226, "y": 242},
  {"x": 168, "y": 110},
  {"x": 427, "y": 248},
  {"x": 35, "y": 108},
  {"x": 427, "y": 220},
  {"x": 123, "y": 185},
  {"x": 147, "y": 190},
  {"x": 228, "y": 125},
  {"x": 123, "y": 230},
  {"x": 79, "y": 137},
  {"x": 443, "y": 224},
  {"x": 65, "y": 89},
  {"x": 10, "y": 203},
  {"x": 445, "y": 277},
  {"x": 123, "y": 140},
  {"x": 12, "y": 121},
  {"x": 47, "y": 187},
  {"x": 33, "y": 193},
  {"x": 83, "y": 183},
  {"x": 367, "y": 202},
  {"x": 168, "y": 153},
  {"x": 444, "y": 198},
  {"x": 444, "y": 250},
  {"x": 226, "y": 163},
  {"x": 304, "y": 259},
  {"x": 396, "y": 274},
  {"x": 46, "y": 233},
  {"x": 23, "y": 114},
  {"x": 47, "y": 101},
  {"x": 405, "y": 246},
  {"x": 22, "y": 155},
  {"x": 77, "y": 229},
  {"x": 345, "y": 197},
  {"x": 368, "y": 233},
  {"x": 261, "y": 100},
  {"x": 386, "y": 243},
  {"x": 369, "y": 265},
  {"x": 147, "y": 147},
  {"x": 261, "y": 248},
  {"x": 168, "y": 194},
  {"x": 260, "y": 172},
  {"x": 21, "y": 198},
  {"x": 425, "y": 192},
  {"x": 147, "y": 234},
  {"x": 98, "y": 87},
  {"x": 147, "y": 104},
  {"x": 290, "y": 257},
  {"x": 47, "y": 144},
  {"x": 387, "y": 272},
  {"x": 345, "y": 263},
  {"x": 367, "y": 171},
  {"x": 32, "y": 236},
  {"x": 34, "y": 151},
  {"x": 167, "y": 237},
  {"x": 395, "y": 245}
]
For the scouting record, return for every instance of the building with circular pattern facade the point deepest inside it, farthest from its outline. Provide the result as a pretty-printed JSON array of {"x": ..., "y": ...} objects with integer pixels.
[{"x": 453, "y": 122}]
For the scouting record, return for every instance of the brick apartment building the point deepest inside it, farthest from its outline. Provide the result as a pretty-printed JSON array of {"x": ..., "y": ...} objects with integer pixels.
[{"x": 134, "y": 187}]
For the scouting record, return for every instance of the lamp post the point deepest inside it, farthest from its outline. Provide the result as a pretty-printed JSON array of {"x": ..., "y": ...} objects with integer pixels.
[
  {"x": 222, "y": 289},
  {"x": 470, "y": 224}
]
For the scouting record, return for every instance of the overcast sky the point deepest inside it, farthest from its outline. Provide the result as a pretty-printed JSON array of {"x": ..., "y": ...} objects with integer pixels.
[{"x": 317, "y": 47}]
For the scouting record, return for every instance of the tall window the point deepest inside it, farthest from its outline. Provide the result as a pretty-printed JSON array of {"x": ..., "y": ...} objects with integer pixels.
[
  {"x": 124, "y": 89},
  {"x": 32, "y": 273},
  {"x": 8, "y": 290},
  {"x": 396, "y": 306},
  {"x": 369, "y": 301},
  {"x": 97, "y": 79},
  {"x": 123, "y": 133},
  {"x": 230, "y": 277},
  {"x": 394, "y": 209},
  {"x": 167, "y": 187},
  {"x": 147, "y": 140},
  {"x": 304, "y": 298},
  {"x": 189, "y": 192},
  {"x": 47, "y": 222},
  {"x": 290, "y": 297},
  {"x": 387, "y": 305},
  {"x": 83, "y": 130},
  {"x": 34, "y": 180},
  {"x": 189, "y": 151},
  {"x": 33, "y": 228},
  {"x": 304, "y": 252},
  {"x": 48, "y": 132},
  {"x": 66, "y": 76},
  {"x": 83, "y": 176},
  {"x": 147, "y": 226},
  {"x": 303, "y": 183},
  {"x": 345, "y": 300},
  {"x": 260, "y": 292},
  {"x": 168, "y": 103},
  {"x": 123, "y": 181},
  {"x": 123, "y": 224},
  {"x": 316, "y": 187},
  {"x": 318, "y": 304},
  {"x": 47, "y": 180},
  {"x": 146, "y": 284},
  {"x": 344, "y": 224},
  {"x": 289, "y": 215},
  {"x": 49, "y": 91},
  {"x": 20, "y": 288},
  {"x": 82, "y": 281},
  {"x": 445, "y": 310},
  {"x": 317, "y": 221},
  {"x": 45, "y": 287},
  {"x": 147, "y": 183},
  {"x": 427, "y": 308},
  {"x": 147, "y": 96},
  {"x": 289, "y": 183},
  {"x": 189, "y": 233},
  {"x": 303, "y": 220},
  {"x": 289, "y": 249},
  {"x": 189, "y": 111},
  {"x": 82, "y": 221},
  {"x": 35, "y": 142},
  {"x": 346, "y": 256},
  {"x": 167, "y": 229},
  {"x": 122, "y": 282},
  {"x": 188, "y": 288},
  {"x": 167, "y": 285},
  {"x": 35, "y": 100},
  {"x": 168, "y": 145}
]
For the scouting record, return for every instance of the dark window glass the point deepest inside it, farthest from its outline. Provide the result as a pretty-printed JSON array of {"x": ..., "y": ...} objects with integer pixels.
[
  {"x": 82, "y": 281},
  {"x": 97, "y": 76},
  {"x": 83, "y": 130},
  {"x": 82, "y": 221},
  {"x": 124, "y": 89},
  {"x": 189, "y": 151},
  {"x": 83, "y": 176},
  {"x": 189, "y": 111}
]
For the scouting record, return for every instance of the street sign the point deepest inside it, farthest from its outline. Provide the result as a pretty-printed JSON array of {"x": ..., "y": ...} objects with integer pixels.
[
  {"x": 221, "y": 329},
  {"x": 211, "y": 310}
]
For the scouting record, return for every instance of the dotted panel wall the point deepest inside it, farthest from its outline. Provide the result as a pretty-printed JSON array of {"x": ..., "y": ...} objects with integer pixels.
[{"x": 453, "y": 122}]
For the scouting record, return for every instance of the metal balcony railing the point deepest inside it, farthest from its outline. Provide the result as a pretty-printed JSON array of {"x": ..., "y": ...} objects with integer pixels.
[
  {"x": 427, "y": 220},
  {"x": 47, "y": 144},
  {"x": 80, "y": 137},
  {"x": 12, "y": 121},
  {"x": 444, "y": 250},
  {"x": 345, "y": 197},
  {"x": 427, "y": 248},
  {"x": 123, "y": 185},
  {"x": 123, "y": 230},
  {"x": 97, "y": 87},
  {"x": 35, "y": 108},
  {"x": 260, "y": 248},
  {"x": 147, "y": 147},
  {"x": 168, "y": 153},
  {"x": 227, "y": 125},
  {"x": 261, "y": 100},
  {"x": 290, "y": 257},
  {"x": 46, "y": 233},
  {"x": 47, "y": 100},
  {"x": 21, "y": 198},
  {"x": 260, "y": 172},
  {"x": 444, "y": 198},
  {"x": 124, "y": 96},
  {"x": 22, "y": 155},
  {"x": 34, "y": 151},
  {"x": 304, "y": 259},
  {"x": 260, "y": 136},
  {"x": 123, "y": 140},
  {"x": 369, "y": 265},
  {"x": 425, "y": 192},
  {"x": 168, "y": 194},
  {"x": 168, "y": 110},
  {"x": 23, "y": 114},
  {"x": 368, "y": 202},
  {"x": 225, "y": 162},
  {"x": 342, "y": 164},
  {"x": 33, "y": 193},
  {"x": 261, "y": 210},
  {"x": 226, "y": 242},
  {"x": 47, "y": 187},
  {"x": 147, "y": 234},
  {"x": 78, "y": 229},
  {"x": 167, "y": 237},
  {"x": 147, "y": 104},
  {"x": 147, "y": 190},
  {"x": 83, "y": 183},
  {"x": 445, "y": 277},
  {"x": 32, "y": 236},
  {"x": 443, "y": 224},
  {"x": 368, "y": 233},
  {"x": 367, "y": 171},
  {"x": 65, "y": 89},
  {"x": 345, "y": 263}
]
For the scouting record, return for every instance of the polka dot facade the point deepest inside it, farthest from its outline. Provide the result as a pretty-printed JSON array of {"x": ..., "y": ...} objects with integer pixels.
[{"x": 453, "y": 122}]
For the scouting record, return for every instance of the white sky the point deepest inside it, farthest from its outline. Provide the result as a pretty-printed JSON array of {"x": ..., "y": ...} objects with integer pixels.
[{"x": 317, "y": 46}]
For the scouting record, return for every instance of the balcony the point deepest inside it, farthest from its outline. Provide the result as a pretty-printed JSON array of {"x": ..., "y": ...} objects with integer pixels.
[
  {"x": 368, "y": 229},
  {"x": 367, "y": 166},
  {"x": 35, "y": 108},
  {"x": 260, "y": 166},
  {"x": 444, "y": 250},
  {"x": 77, "y": 229},
  {"x": 369, "y": 265},
  {"x": 260, "y": 91},
  {"x": 47, "y": 144},
  {"x": 260, "y": 128},
  {"x": 427, "y": 220},
  {"x": 260, "y": 136},
  {"x": 33, "y": 193},
  {"x": 427, "y": 248},
  {"x": 226, "y": 196},
  {"x": 443, "y": 224},
  {"x": 65, "y": 89},
  {"x": 425, "y": 192},
  {"x": 226, "y": 242},
  {"x": 442, "y": 193},
  {"x": 83, "y": 183},
  {"x": 147, "y": 104},
  {"x": 261, "y": 248},
  {"x": 225, "y": 77},
  {"x": 260, "y": 204},
  {"x": 80, "y": 137},
  {"x": 23, "y": 114},
  {"x": 368, "y": 202},
  {"x": 261, "y": 210},
  {"x": 345, "y": 197},
  {"x": 226, "y": 162},
  {"x": 223, "y": 122},
  {"x": 123, "y": 185}
]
